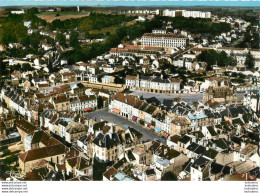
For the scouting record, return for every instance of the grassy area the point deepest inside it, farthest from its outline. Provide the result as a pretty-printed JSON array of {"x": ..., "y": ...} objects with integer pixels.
[
  {"x": 110, "y": 29},
  {"x": 61, "y": 13},
  {"x": 50, "y": 16}
]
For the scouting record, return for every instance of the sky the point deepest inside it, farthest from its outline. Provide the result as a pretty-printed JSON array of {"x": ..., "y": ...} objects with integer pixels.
[{"x": 242, "y": 3}]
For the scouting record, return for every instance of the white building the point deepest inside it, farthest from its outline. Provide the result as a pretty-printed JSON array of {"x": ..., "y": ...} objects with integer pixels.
[
  {"x": 163, "y": 40},
  {"x": 153, "y": 84}
]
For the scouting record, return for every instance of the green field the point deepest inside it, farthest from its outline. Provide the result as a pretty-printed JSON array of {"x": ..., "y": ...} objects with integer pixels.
[{"x": 61, "y": 13}]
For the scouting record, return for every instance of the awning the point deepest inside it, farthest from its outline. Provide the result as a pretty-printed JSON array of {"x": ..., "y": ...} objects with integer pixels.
[
  {"x": 116, "y": 110},
  {"x": 151, "y": 126},
  {"x": 88, "y": 109},
  {"x": 157, "y": 129},
  {"x": 134, "y": 118},
  {"x": 165, "y": 135}
]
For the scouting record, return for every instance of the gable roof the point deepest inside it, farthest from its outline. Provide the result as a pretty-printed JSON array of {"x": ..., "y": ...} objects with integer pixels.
[
  {"x": 110, "y": 173},
  {"x": 25, "y": 126},
  {"x": 106, "y": 140},
  {"x": 43, "y": 152},
  {"x": 212, "y": 131},
  {"x": 211, "y": 153},
  {"x": 43, "y": 137}
]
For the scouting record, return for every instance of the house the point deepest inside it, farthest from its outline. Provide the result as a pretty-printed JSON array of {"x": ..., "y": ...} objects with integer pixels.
[
  {"x": 61, "y": 103},
  {"x": 180, "y": 125},
  {"x": 172, "y": 141},
  {"x": 16, "y": 74},
  {"x": 106, "y": 145},
  {"x": 31, "y": 158},
  {"x": 107, "y": 79},
  {"x": 199, "y": 169},
  {"x": 113, "y": 174},
  {"x": 85, "y": 143},
  {"x": 195, "y": 150},
  {"x": 144, "y": 173},
  {"x": 219, "y": 172},
  {"x": 164, "y": 158},
  {"x": 183, "y": 143},
  {"x": 209, "y": 132},
  {"x": 198, "y": 119},
  {"x": 83, "y": 103},
  {"x": 67, "y": 77},
  {"x": 142, "y": 155},
  {"x": 74, "y": 131},
  {"x": 79, "y": 166},
  {"x": 24, "y": 128},
  {"x": 247, "y": 151}
]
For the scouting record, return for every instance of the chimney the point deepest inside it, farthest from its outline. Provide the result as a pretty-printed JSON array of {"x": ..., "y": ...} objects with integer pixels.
[
  {"x": 243, "y": 144},
  {"x": 111, "y": 178}
]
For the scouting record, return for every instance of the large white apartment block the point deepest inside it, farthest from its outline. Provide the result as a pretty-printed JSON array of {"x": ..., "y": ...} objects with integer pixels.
[
  {"x": 185, "y": 13},
  {"x": 163, "y": 40}
]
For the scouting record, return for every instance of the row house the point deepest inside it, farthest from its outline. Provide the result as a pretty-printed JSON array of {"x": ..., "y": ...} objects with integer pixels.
[
  {"x": 67, "y": 77},
  {"x": 14, "y": 101},
  {"x": 180, "y": 125},
  {"x": 132, "y": 108},
  {"x": 85, "y": 143},
  {"x": 203, "y": 169},
  {"x": 83, "y": 103},
  {"x": 74, "y": 131},
  {"x": 153, "y": 84},
  {"x": 149, "y": 115},
  {"x": 45, "y": 118},
  {"x": 160, "y": 123},
  {"x": 251, "y": 99},
  {"x": 197, "y": 120},
  {"x": 164, "y": 158},
  {"x": 78, "y": 166},
  {"x": 61, "y": 126},
  {"x": 91, "y": 78},
  {"x": 8, "y": 120},
  {"x": 61, "y": 103}
]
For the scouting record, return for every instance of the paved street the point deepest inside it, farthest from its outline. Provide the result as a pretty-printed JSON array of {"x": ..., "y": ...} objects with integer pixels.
[
  {"x": 185, "y": 97},
  {"x": 105, "y": 115}
]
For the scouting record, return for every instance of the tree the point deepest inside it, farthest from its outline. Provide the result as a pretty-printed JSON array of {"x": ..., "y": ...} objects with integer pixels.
[
  {"x": 169, "y": 176},
  {"x": 26, "y": 67},
  {"x": 32, "y": 11},
  {"x": 61, "y": 39},
  {"x": 10, "y": 159},
  {"x": 3, "y": 70},
  {"x": 100, "y": 102},
  {"x": 6, "y": 152},
  {"x": 74, "y": 39},
  {"x": 250, "y": 61},
  {"x": 118, "y": 80}
]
